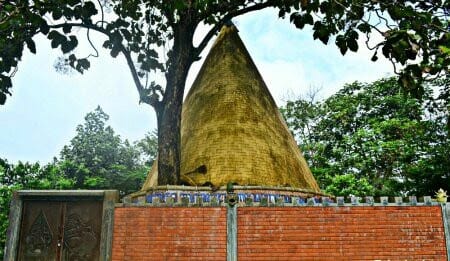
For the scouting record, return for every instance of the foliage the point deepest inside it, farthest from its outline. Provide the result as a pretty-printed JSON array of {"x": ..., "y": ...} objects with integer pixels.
[
  {"x": 413, "y": 33},
  {"x": 348, "y": 184},
  {"x": 375, "y": 138},
  {"x": 98, "y": 158},
  {"x": 148, "y": 147}
]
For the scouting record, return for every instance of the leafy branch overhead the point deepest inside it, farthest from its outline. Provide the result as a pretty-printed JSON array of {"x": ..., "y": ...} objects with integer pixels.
[{"x": 415, "y": 34}]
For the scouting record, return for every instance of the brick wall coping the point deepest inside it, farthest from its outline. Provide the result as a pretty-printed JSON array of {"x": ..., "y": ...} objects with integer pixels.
[{"x": 264, "y": 198}]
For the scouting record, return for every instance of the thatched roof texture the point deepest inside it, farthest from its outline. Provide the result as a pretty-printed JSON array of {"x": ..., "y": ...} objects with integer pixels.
[{"x": 231, "y": 129}]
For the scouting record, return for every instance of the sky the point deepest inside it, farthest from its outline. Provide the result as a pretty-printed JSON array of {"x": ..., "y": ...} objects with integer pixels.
[{"x": 46, "y": 106}]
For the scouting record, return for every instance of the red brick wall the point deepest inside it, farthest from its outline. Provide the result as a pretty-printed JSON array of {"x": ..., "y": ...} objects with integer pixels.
[
  {"x": 280, "y": 233},
  {"x": 157, "y": 233},
  {"x": 341, "y": 233}
]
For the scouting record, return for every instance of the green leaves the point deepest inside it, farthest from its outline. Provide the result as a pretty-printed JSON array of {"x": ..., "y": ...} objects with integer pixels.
[
  {"x": 88, "y": 10},
  {"x": 2, "y": 98},
  {"x": 375, "y": 134},
  {"x": 78, "y": 64},
  {"x": 347, "y": 41},
  {"x": 31, "y": 46},
  {"x": 67, "y": 28},
  {"x": 321, "y": 32},
  {"x": 364, "y": 27},
  {"x": 408, "y": 29},
  {"x": 43, "y": 27},
  {"x": 58, "y": 39},
  {"x": 300, "y": 20},
  {"x": 83, "y": 64},
  {"x": 5, "y": 84},
  {"x": 98, "y": 158},
  {"x": 341, "y": 43}
]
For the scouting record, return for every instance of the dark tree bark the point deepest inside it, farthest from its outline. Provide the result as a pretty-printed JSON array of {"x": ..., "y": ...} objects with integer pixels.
[{"x": 169, "y": 112}]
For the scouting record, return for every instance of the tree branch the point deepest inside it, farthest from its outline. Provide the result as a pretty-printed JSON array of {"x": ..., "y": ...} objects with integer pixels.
[
  {"x": 87, "y": 26},
  {"x": 133, "y": 71},
  {"x": 226, "y": 18},
  {"x": 126, "y": 53}
]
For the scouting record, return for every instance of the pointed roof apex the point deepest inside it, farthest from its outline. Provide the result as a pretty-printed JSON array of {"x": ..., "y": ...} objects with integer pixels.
[{"x": 229, "y": 23}]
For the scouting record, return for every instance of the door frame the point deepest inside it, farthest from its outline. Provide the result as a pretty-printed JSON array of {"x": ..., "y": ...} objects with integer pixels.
[{"x": 109, "y": 198}]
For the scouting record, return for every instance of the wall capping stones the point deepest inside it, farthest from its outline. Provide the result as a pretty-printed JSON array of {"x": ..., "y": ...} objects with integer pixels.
[{"x": 202, "y": 198}]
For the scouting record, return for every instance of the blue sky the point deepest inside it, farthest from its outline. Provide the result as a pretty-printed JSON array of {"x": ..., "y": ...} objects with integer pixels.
[{"x": 46, "y": 106}]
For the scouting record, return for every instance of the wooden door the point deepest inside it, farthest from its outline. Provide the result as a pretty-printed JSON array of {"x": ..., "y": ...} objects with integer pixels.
[{"x": 60, "y": 230}]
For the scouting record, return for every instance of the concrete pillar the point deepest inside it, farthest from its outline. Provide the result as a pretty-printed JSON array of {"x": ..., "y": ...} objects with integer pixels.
[
  {"x": 446, "y": 220},
  {"x": 13, "y": 233},
  {"x": 231, "y": 233},
  {"x": 109, "y": 199}
]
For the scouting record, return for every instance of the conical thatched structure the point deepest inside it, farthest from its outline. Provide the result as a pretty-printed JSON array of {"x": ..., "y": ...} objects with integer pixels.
[{"x": 231, "y": 129}]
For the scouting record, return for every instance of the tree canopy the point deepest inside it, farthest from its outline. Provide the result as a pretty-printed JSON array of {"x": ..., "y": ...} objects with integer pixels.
[
  {"x": 374, "y": 139},
  {"x": 98, "y": 158},
  {"x": 157, "y": 36}
]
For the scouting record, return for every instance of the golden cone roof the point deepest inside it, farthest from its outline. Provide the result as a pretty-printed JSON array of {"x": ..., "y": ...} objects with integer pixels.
[{"x": 231, "y": 128}]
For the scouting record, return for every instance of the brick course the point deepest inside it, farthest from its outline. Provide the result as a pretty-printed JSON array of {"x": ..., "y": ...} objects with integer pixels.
[
  {"x": 153, "y": 233},
  {"x": 341, "y": 233},
  {"x": 281, "y": 233}
]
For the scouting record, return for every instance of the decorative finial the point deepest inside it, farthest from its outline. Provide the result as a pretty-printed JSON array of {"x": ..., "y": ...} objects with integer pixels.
[
  {"x": 229, "y": 23},
  {"x": 441, "y": 196}
]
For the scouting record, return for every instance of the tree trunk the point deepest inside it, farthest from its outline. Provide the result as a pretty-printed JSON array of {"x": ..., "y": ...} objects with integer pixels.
[{"x": 169, "y": 114}]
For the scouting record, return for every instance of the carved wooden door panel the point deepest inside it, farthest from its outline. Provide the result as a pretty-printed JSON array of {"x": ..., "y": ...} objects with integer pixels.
[
  {"x": 60, "y": 230},
  {"x": 41, "y": 222},
  {"x": 82, "y": 231}
]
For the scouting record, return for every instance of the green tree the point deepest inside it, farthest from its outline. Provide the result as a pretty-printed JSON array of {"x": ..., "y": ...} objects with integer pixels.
[
  {"x": 375, "y": 133},
  {"x": 148, "y": 147},
  {"x": 413, "y": 33},
  {"x": 98, "y": 158}
]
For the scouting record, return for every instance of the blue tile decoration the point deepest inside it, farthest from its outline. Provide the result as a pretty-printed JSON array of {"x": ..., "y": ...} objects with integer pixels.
[
  {"x": 271, "y": 199},
  {"x": 259, "y": 198},
  {"x": 326, "y": 201},
  {"x": 413, "y": 200},
  {"x": 149, "y": 198},
  {"x": 370, "y": 201},
  {"x": 241, "y": 197},
  {"x": 398, "y": 200},
  {"x": 354, "y": 200},
  {"x": 206, "y": 197},
  {"x": 427, "y": 200}
]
